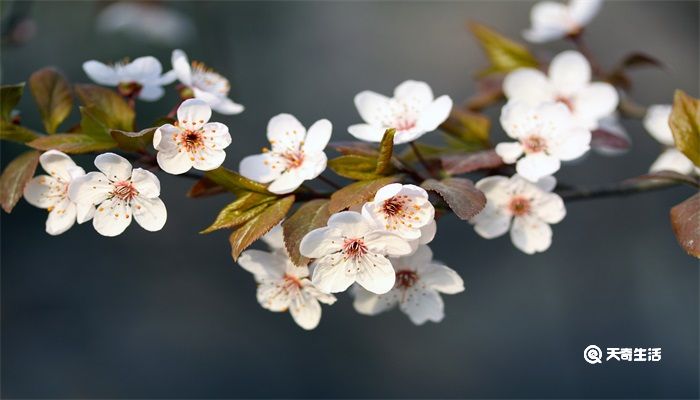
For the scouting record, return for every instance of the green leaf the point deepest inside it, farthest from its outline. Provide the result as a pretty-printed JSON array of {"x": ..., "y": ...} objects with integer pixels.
[
  {"x": 73, "y": 143},
  {"x": 243, "y": 209},
  {"x": 234, "y": 182},
  {"x": 16, "y": 133},
  {"x": 386, "y": 149},
  {"x": 15, "y": 176},
  {"x": 9, "y": 97},
  {"x": 460, "y": 194},
  {"x": 684, "y": 221},
  {"x": 358, "y": 193},
  {"x": 259, "y": 225},
  {"x": 504, "y": 54},
  {"x": 354, "y": 167},
  {"x": 311, "y": 215},
  {"x": 468, "y": 129},
  {"x": 134, "y": 141},
  {"x": 52, "y": 94},
  {"x": 107, "y": 106},
  {"x": 685, "y": 125}
]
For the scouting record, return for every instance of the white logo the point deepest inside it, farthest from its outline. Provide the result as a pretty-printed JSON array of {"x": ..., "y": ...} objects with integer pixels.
[{"x": 593, "y": 354}]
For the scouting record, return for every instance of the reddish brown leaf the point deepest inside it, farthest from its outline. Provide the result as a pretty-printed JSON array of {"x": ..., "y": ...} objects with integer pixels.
[
  {"x": 311, "y": 215},
  {"x": 15, "y": 176},
  {"x": 685, "y": 220},
  {"x": 259, "y": 225},
  {"x": 460, "y": 194},
  {"x": 464, "y": 163}
]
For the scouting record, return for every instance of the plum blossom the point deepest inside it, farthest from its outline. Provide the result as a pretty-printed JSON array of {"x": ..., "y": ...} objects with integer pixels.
[
  {"x": 419, "y": 282},
  {"x": 568, "y": 82},
  {"x": 402, "y": 209},
  {"x": 529, "y": 206},
  {"x": 412, "y": 111},
  {"x": 153, "y": 22},
  {"x": 143, "y": 77},
  {"x": 282, "y": 285},
  {"x": 193, "y": 141},
  {"x": 205, "y": 83},
  {"x": 296, "y": 155},
  {"x": 552, "y": 20},
  {"x": 348, "y": 250},
  {"x": 656, "y": 123},
  {"x": 51, "y": 192},
  {"x": 119, "y": 193},
  {"x": 546, "y": 134}
]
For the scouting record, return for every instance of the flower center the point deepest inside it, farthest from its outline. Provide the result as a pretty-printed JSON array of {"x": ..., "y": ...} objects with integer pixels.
[
  {"x": 392, "y": 206},
  {"x": 209, "y": 80},
  {"x": 405, "y": 279},
  {"x": 404, "y": 124},
  {"x": 192, "y": 140},
  {"x": 354, "y": 248},
  {"x": 519, "y": 206},
  {"x": 291, "y": 282},
  {"x": 294, "y": 159},
  {"x": 124, "y": 190},
  {"x": 534, "y": 144},
  {"x": 566, "y": 101}
]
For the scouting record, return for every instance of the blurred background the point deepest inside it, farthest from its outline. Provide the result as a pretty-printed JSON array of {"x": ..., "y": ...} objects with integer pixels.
[{"x": 170, "y": 315}]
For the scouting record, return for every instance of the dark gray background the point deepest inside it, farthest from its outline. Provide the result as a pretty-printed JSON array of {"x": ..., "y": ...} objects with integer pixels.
[{"x": 170, "y": 315}]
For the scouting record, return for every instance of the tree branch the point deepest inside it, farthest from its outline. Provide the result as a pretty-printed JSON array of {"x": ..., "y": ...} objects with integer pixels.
[{"x": 625, "y": 188}]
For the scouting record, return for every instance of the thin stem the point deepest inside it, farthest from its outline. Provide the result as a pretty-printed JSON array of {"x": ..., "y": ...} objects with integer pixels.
[
  {"x": 615, "y": 190},
  {"x": 422, "y": 160},
  {"x": 328, "y": 182}
]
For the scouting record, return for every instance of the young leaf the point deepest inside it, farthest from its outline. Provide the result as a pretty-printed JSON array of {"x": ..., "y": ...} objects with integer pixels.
[
  {"x": 504, "y": 54},
  {"x": 16, "y": 133},
  {"x": 115, "y": 113},
  {"x": 133, "y": 141},
  {"x": 354, "y": 167},
  {"x": 234, "y": 182},
  {"x": 52, "y": 94},
  {"x": 15, "y": 176},
  {"x": 259, "y": 225},
  {"x": 460, "y": 194},
  {"x": 358, "y": 193},
  {"x": 205, "y": 187},
  {"x": 685, "y": 125},
  {"x": 606, "y": 140},
  {"x": 9, "y": 97},
  {"x": 468, "y": 128},
  {"x": 684, "y": 220},
  {"x": 74, "y": 143},
  {"x": 311, "y": 215},
  {"x": 386, "y": 149},
  {"x": 455, "y": 164},
  {"x": 243, "y": 209}
]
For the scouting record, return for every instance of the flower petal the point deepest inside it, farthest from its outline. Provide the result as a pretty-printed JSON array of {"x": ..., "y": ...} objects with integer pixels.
[
  {"x": 656, "y": 123},
  {"x": 673, "y": 160},
  {"x": 548, "y": 22},
  {"x": 549, "y": 207},
  {"x": 61, "y": 218},
  {"x": 569, "y": 72},
  {"x": 369, "y": 303},
  {"x": 435, "y": 113},
  {"x": 258, "y": 168},
  {"x": 319, "y": 242},
  {"x": 146, "y": 183},
  {"x": 305, "y": 310},
  {"x": 151, "y": 92},
  {"x": 164, "y": 138},
  {"x": 318, "y": 136},
  {"x": 174, "y": 162},
  {"x": 151, "y": 214},
  {"x": 115, "y": 167},
  {"x": 374, "y": 108},
  {"x": 509, "y": 151},
  {"x": 84, "y": 212},
  {"x": 382, "y": 242},
  {"x": 57, "y": 164},
  {"x": 368, "y": 133},
  {"x": 417, "y": 94},
  {"x": 193, "y": 114},
  {"x": 92, "y": 188},
  {"x": 528, "y": 85},
  {"x": 112, "y": 217},
  {"x": 535, "y": 166},
  {"x": 208, "y": 159},
  {"x": 518, "y": 119},
  {"x": 273, "y": 296},
  {"x": 491, "y": 222},
  {"x": 144, "y": 70},
  {"x": 531, "y": 235},
  {"x": 43, "y": 191},
  {"x": 263, "y": 265},
  {"x": 287, "y": 182},
  {"x": 422, "y": 305},
  {"x": 330, "y": 277},
  {"x": 583, "y": 11},
  {"x": 224, "y": 105},
  {"x": 575, "y": 143},
  {"x": 442, "y": 278},
  {"x": 427, "y": 233},
  {"x": 181, "y": 66},
  {"x": 216, "y": 135},
  {"x": 284, "y": 131},
  {"x": 101, "y": 73},
  {"x": 375, "y": 273},
  {"x": 594, "y": 102}
]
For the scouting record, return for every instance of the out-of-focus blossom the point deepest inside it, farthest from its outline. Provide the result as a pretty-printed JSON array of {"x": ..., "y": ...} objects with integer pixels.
[
  {"x": 147, "y": 21},
  {"x": 143, "y": 76},
  {"x": 671, "y": 159},
  {"x": 551, "y": 20}
]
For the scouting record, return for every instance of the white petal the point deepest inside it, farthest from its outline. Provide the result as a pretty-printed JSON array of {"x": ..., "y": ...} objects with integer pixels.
[
  {"x": 531, "y": 235},
  {"x": 422, "y": 305},
  {"x": 594, "y": 102},
  {"x": 193, "y": 114},
  {"x": 569, "y": 72},
  {"x": 164, "y": 138},
  {"x": 528, "y": 85},
  {"x": 546, "y": 184},
  {"x": 167, "y": 78},
  {"x": 495, "y": 188},
  {"x": 181, "y": 66},
  {"x": 285, "y": 131},
  {"x": 572, "y": 145},
  {"x": 273, "y": 296},
  {"x": 434, "y": 114},
  {"x": 115, "y": 167},
  {"x": 208, "y": 159},
  {"x": 305, "y": 310},
  {"x": 287, "y": 182},
  {"x": 101, "y": 73},
  {"x": 174, "y": 162},
  {"x": 491, "y": 222},
  {"x": 583, "y": 11},
  {"x": 275, "y": 237},
  {"x": 61, "y": 218},
  {"x": 112, "y": 217},
  {"x": 375, "y": 273},
  {"x": 351, "y": 223},
  {"x": 535, "y": 166},
  {"x": 369, "y": 303},
  {"x": 332, "y": 278},
  {"x": 545, "y": 34},
  {"x": 43, "y": 191},
  {"x": 150, "y": 213},
  {"x": 415, "y": 93},
  {"x": 509, "y": 152},
  {"x": 382, "y": 242},
  {"x": 368, "y": 133},
  {"x": 387, "y": 192},
  {"x": 216, "y": 135},
  {"x": 518, "y": 119},
  {"x": 144, "y": 70},
  {"x": 549, "y": 207},
  {"x": 57, "y": 164},
  {"x": 258, "y": 168},
  {"x": 319, "y": 242},
  {"x": 374, "y": 108},
  {"x": 442, "y": 278},
  {"x": 85, "y": 212},
  {"x": 93, "y": 188},
  {"x": 548, "y": 22},
  {"x": 656, "y": 123},
  {"x": 226, "y": 106},
  {"x": 318, "y": 136},
  {"x": 151, "y": 92},
  {"x": 263, "y": 265},
  {"x": 427, "y": 233},
  {"x": 146, "y": 183},
  {"x": 673, "y": 160},
  {"x": 313, "y": 165}
]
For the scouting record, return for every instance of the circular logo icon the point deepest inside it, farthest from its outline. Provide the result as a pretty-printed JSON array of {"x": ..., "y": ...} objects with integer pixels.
[{"x": 593, "y": 354}]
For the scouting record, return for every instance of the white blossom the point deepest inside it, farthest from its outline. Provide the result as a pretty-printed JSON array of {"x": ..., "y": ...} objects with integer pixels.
[
  {"x": 146, "y": 22},
  {"x": 205, "y": 83},
  {"x": 348, "y": 250},
  {"x": 119, "y": 194},
  {"x": 547, "y": 134},
  {"x": 400, "y": 209},
  {"x": 551, "y": 20},
  {"x": 193, "y": 141},
  {"x": 144, "y": 76},
  {"x": 51, "y": 192},
  {"x": 656, "y": 122},
  {"x": 568, "y": 82},
  {"x": 419, "y": 282},
  {"x": 412, "y": 111},
  {"x": 296, "y": 155},
  {"x": 531, "y": 207}
]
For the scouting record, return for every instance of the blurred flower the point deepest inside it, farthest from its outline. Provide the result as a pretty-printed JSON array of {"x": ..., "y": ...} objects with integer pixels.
[
  {"x": 412, "y": 112},
  {"x": 419, "y": 282},
  {"x": 546, "y": 134},
  {"x": 569, "y": 83},
  {"x": 611, "y": 138},
  {"x": 656, "y": 123},
  {"x": 51, "y": 192},
  {"x": 143, "y": 77},
  {"x": 119, "y": 193},
  {"x": 275, "y": 238},
  {"x": 350, "y": 250},
  {"x": 193, "y": 141},
  {"x": 400, "y": 209},
  {"x": 205, "y": 84},
  {"x": 283, "y": 286},
  {"x": 552, "y": 21},
  {"x": 296, "y": 155},
  {"x": 147, "y": 21},
  {"x": 530, "y": 206}
]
